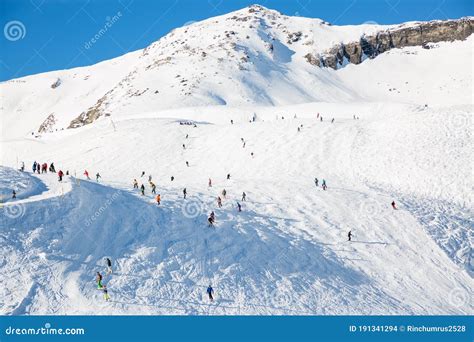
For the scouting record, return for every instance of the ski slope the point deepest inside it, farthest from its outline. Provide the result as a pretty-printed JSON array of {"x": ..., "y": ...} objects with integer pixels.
[{"x": 287, "y": 251}]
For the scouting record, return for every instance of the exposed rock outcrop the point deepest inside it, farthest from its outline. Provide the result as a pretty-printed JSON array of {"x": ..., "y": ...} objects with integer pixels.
[
  {"x": 48, "y": 124},
  {"x": 56, "y": 84},
  {"x": 418, "y": 34},
  {"x": 92, "y": 114}
]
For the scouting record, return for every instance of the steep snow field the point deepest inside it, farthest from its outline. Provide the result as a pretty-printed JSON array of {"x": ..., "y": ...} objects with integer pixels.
[{"x": 287, "y": 251}]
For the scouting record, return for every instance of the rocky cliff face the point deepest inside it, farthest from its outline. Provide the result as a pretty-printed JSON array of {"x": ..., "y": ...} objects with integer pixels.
[
  {"x": 92, "y": 114},
  {"x": 419, "y": 34},
  {"x": 48, "y": 124}
]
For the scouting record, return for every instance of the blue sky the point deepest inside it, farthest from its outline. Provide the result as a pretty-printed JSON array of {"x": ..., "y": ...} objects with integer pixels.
[{"x": 44, "y": 35}]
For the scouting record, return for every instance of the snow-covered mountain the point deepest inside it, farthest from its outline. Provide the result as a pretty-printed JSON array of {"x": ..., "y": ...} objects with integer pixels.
[
  {"x": 382, "y": 123},
  {"x": 254, "y": 56}
]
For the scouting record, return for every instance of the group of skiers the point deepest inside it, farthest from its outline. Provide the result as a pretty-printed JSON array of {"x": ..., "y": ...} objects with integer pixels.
[
  {"x": 40, "y": 168},
  {"x": 43, "y": 168},
  {"x": 152, "y": 186},
  {"x": 211, "y": 218},
  {"x": 99, "y": 277},
  {"x": 97, "y": 175},
  {"x": 323, "y": 183}
]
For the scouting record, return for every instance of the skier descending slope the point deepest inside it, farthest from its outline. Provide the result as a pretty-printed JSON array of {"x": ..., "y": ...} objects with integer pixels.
[
  {"x": 98, "y": 279},
  {"x": 210, "y": 183},
  {"x": 393, "y": 205},
  {"x": 109, "y": 266},
  {"x": 211, "y": 219},
  {"x": 210, "y": 291},
  {"x": 349, "y": 236},
  {"x": 60, "y": 175},
  {"x": 86, "y": 174},
  {"x": 135, "y": 184},
  {"x": 239, "y": 207},
  {"x": 97, "y": 176},
  {"x": 106, "y": 293},
  {"x": 324, "y": 184},
  {"x": 244, "y": 196},
  {"x": 34, "y": 167},
  {"x": 158, "y": 199},
  {"x": 184, "y": 193},
  {"x": 13, "y": 194},
  {"x": 316, "y": 181},
  {"x": 219, "y": 201}
]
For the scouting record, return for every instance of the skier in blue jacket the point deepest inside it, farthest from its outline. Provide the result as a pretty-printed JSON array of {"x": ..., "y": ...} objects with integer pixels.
[{"x": 210, "y": 291}]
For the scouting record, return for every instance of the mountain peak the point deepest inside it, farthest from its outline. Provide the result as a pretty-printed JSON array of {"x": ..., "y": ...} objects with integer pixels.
[{"x": 256, "y": 10}]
